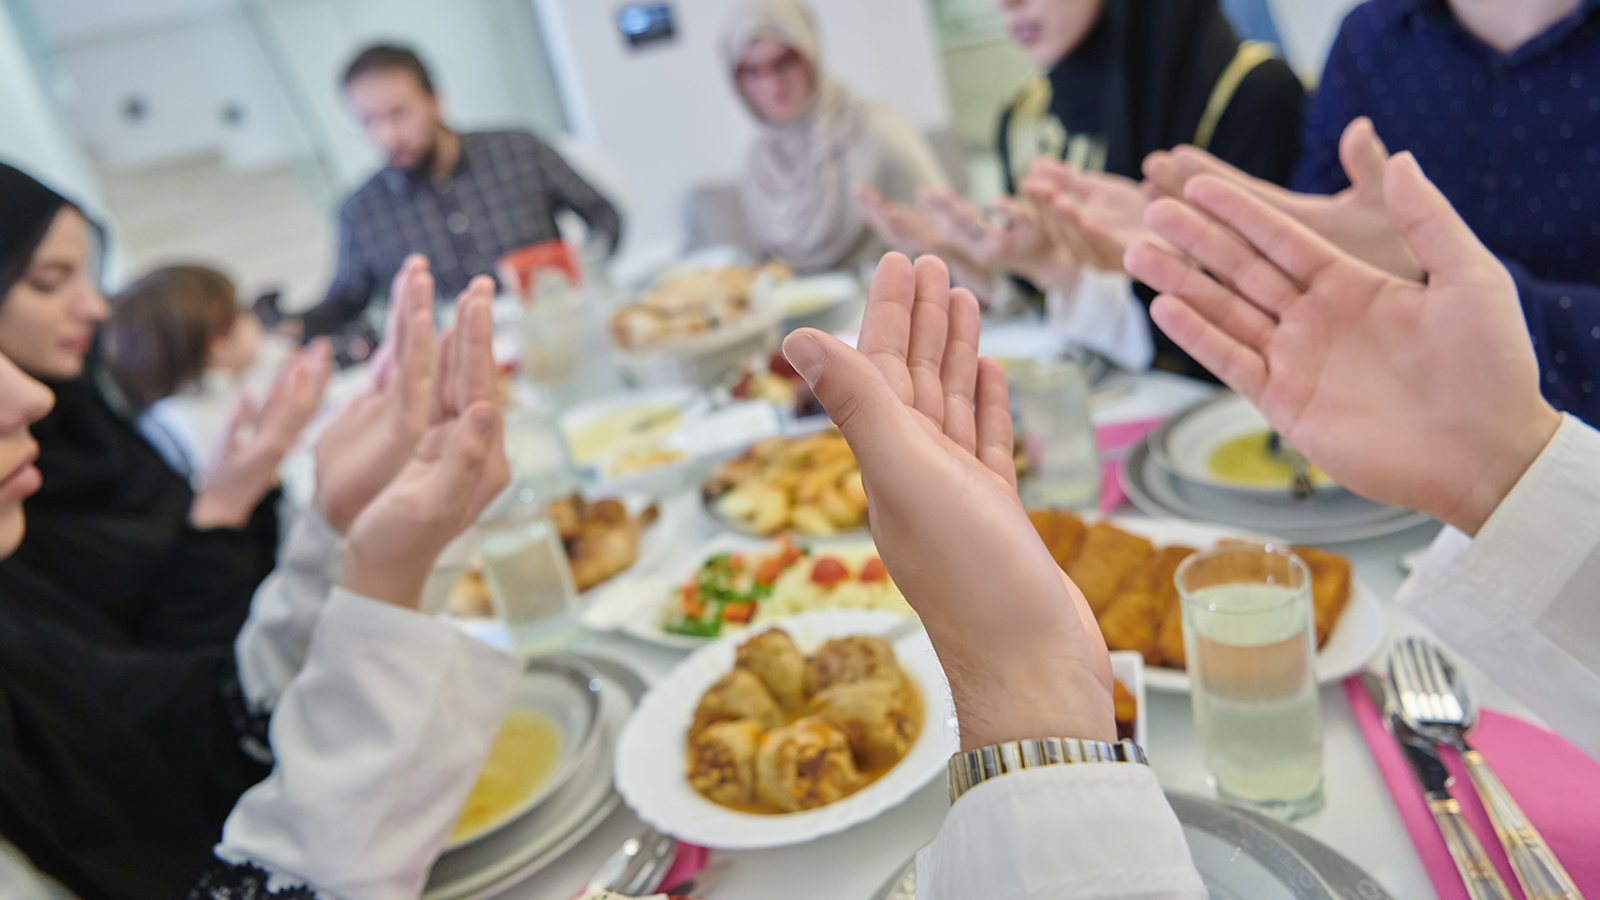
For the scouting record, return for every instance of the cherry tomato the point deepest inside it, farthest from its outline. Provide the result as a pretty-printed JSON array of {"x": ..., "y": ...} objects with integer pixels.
[
  {"x": 874, "y": 570},
  {"x": 829, "y": 572},
  {"x": 738, "y": 612},
  {"x": 689, "y": 602}
]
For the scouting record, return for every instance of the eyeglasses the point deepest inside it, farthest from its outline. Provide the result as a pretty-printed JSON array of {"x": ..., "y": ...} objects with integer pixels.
[{"x": 782, "y": 67}]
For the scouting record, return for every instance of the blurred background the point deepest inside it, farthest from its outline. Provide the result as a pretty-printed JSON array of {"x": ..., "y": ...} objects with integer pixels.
[{"x": 214, "y": 130}]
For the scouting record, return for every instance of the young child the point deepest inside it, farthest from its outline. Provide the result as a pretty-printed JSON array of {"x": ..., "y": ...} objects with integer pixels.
[{"x": 182, "y": 349}]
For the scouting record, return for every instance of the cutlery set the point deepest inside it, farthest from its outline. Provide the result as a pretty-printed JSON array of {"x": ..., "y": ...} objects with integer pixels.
[{"x": 1427, "y": 706}]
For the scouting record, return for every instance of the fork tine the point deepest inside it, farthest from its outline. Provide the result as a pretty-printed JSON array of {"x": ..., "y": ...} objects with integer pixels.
[
  {"x": 1449, "y": 704},
  {"x": 1430, "y": 684},
  {"x": 1405, "y": 687},
  {"x": 1425, "y": 711}
]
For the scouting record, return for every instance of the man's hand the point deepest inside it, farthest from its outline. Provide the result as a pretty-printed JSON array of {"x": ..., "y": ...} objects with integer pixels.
[
  {"x": 1015, "y": 241},
  {"x": 1097, "y": 216},
  {"x": 930, "y": 424},
  {"x": 459, "y": 467},
  {"x": 1422, "y": 396},
  {"x": 258, "y": 438},
  {"x": 1355, "y": 220}
]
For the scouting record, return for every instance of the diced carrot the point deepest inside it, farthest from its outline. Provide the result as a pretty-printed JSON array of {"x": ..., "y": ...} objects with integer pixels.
[
  {"x": 738, "y": 612},
  {"x": 828, "y": 572},
  {"x": 771, "y": 567},
  {"x": 874, "y": 570},
  {"x": 689, "y": 602}
]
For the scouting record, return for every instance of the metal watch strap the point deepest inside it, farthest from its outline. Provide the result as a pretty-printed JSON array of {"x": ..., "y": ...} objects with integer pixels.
[{"x": 970, "y": 768}]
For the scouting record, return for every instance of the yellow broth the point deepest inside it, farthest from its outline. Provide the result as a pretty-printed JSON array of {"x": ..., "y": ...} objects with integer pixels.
[
  {"x": 1245, "y": 460},
  {"x": 522, "y": 757}
]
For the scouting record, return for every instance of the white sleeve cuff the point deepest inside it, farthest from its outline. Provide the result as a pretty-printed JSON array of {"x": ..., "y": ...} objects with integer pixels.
[
  {"x": 1103, "y": 314},
  {"x": 378, "y": 741},
  {"x": 1061, "y": 833},
  {"x": 272, "y": 643}
]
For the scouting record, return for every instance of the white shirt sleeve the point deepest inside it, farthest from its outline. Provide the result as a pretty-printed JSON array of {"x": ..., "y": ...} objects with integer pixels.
[
  {"x": 378, "y": 742},
  {"x": 272, "y": 643},
  {"x": 1071, "y": 832},
  {"x": 1103, "y": 314},
  {"x": 1520, "y": 600}
]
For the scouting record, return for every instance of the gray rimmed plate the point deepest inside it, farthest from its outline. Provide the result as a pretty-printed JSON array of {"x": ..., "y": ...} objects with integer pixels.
[
  {"x": 1183, "y": 446},
  {"x": 1241, "y": 856}
]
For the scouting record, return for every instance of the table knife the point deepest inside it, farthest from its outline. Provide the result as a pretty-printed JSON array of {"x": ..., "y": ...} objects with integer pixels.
[{"x": 1477, "y": 872}]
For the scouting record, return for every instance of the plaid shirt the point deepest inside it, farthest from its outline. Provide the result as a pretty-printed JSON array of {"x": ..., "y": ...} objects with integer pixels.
[{"x": 503, "y": 194}]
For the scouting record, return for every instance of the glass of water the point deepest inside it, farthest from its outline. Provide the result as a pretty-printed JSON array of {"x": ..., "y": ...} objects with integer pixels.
[
  {"x": 1250, "y": 639},
  {"x": 1052, "y": 405},
  {"x": 525, "y": 568}
]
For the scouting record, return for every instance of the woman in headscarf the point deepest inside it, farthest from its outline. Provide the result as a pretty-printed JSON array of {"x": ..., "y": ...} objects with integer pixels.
[
  {"x": 818, "y": 141},
  {"x": 114, "y": 525},
  {"x": 119, "y": 765},
  {"x": 1120, "y": 79}
]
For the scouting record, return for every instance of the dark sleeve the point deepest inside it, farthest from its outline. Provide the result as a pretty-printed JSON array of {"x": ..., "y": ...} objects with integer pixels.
[
  {"x": 1330, "y": 108},
  {"x": 1564, "y": 323},
  {"x": 203, "y": 589},
  {"x": 1260, "y": 130},
  {"x": 224, "y": 881},
  {"x": 352, "y": 285},
  {"x": 572, "y": 192}
]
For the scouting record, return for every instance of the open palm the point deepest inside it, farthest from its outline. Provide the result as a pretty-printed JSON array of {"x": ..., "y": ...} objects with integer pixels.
[
  {"x": 1424, "y": 396},
  {"x": 930, "y": 425},
  {"x": 1100, "y": 214}
]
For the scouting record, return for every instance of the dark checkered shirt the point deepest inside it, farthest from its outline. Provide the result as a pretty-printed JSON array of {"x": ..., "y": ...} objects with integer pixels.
[{"x": 503, "y": 194}]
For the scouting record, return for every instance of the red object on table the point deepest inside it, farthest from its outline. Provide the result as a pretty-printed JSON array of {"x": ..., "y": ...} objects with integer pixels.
[
  {"x": 1114, "y": 442},
  {"x": 523, "y": 264},
  {"x": 1556, "y": 784}
]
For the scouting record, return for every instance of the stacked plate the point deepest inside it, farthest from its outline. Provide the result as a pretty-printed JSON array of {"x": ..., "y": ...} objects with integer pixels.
[
  {"x": 589, "y": 699},
  {"x": 1240, "y": 854},
  {"x": 1211, "y": 463}
]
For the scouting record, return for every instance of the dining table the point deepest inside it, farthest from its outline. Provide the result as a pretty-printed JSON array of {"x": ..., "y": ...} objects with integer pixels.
[{"x": 1359, "y": 820}]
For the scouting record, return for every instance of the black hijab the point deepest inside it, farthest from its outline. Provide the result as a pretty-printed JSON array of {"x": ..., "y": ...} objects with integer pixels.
[{"x": 118, "y": 764}]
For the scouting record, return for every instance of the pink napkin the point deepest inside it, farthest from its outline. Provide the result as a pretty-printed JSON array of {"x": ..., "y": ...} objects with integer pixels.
[
  {"x": 1115, "y": 441},
  {"x": 1555, "y": 783},
  {"x": 690, "y": 859}
]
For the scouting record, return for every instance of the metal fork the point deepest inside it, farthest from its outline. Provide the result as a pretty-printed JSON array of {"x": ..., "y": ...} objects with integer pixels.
[{"x": 1438, "y": 706}]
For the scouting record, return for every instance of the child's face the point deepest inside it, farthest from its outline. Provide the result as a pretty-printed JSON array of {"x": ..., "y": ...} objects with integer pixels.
[{"x": 235, "y": 352}]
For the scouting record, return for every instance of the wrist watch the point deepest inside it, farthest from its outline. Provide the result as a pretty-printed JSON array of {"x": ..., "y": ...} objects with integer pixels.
[{"x": 970, "y": 768}]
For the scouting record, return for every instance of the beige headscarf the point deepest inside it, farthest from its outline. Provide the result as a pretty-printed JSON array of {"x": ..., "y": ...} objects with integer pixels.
[{"x": 799, "y": 175}]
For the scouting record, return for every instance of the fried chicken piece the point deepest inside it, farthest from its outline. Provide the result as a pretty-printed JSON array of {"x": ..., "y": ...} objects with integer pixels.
[
  {"x": 1330, "y": 587},
  {"x": 567, "y": 514},
  {"x": 852, "y": 659},
  {"x": 1108, "y": 555},
  {"x": 772, "y": 657},
  {"x": 1062, "y": 533},
  {"x": 722, "y": 761},
  {"x": 879, "y": 717},
  {"x": 805, "y": 765},
  {"x": 1126, "y": 708},
  {"x": 1133, "y": 620},
  {"x": 470, "y": 596},
  {"x": 1170, "y": 640},
  {"x": 606, "y": 542},
  {"x": 738, "y": 695}
]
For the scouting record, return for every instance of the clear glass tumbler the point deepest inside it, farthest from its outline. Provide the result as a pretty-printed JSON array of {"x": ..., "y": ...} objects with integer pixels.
[
  {"x": 1052, "y": 404},
  {"x": 1250, "y": 639},
  {"x": 525, "y": 568}
]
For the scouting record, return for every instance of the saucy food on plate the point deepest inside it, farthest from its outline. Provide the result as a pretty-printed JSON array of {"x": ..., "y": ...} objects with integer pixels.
[
  {"x": 809, "y": 484},
  {"x": 783, "y": 733},
  {"x": 1129, "y": 585},
  {"x": 1248, "y": 460},
  {"x": 781, "y": 579},
  {"x": 689, "y": 302},
  {"x": 523, "y": 755}
]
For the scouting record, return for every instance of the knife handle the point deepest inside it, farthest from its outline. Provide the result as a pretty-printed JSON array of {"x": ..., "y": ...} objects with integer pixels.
[
  {"x": 1536, "y": 866},
  {"x": 1477, "y": 872}
]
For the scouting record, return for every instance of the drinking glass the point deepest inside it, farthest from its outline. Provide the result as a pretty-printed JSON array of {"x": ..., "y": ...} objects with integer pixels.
[
  {"x": 525, "y": 568},
  {"x": 1249, "y": 638},
  {"x": 1052, "y": 402}
]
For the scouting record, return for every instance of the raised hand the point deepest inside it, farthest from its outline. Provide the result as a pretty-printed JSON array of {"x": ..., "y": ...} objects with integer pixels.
[
  {"x": 459, "y": 466},
  {"x": 903, "y": 228},
  {"x": 1426, "y": 396},
  {"x": 1013, "y": 241},
  {"x": 930, "y": 425},
  {"x": 1356, "y": 220},
  {"x": 1098, "y": 216},
  {"x": 257, "y": 439}
]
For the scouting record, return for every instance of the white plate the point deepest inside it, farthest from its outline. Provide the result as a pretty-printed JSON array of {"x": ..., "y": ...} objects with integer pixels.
[
  {"x": 569, "y": 696},
  {"x": 1329, "y": 518},
  {"x": 650, "y": 752},
  {"x": 1184, "y": 444},
  {"x": 1356, "y": 636},
  {"x": 533, "y": 842},
  {"x": 644, "y": 622}
]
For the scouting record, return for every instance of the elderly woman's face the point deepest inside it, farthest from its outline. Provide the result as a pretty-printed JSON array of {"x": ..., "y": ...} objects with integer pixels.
[
  {"x": 47, "y": 319},
  {"x": 775, "y": 80},
  {"x": 1048, "y": 30}
]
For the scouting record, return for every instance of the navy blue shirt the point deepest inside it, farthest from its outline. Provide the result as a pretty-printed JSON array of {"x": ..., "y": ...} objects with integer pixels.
[{"x": 1513, "y": 140}]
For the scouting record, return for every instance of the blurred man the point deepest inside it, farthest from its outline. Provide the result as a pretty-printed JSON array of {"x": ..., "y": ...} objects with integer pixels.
[{"x": 461, "y": 199}]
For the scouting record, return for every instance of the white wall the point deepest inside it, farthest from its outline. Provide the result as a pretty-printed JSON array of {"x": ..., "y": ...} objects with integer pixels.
[
  {"x": 668, "y": 114},
  {"x": 32, "y": 138},
  {"x": 1308, "y": 28}
]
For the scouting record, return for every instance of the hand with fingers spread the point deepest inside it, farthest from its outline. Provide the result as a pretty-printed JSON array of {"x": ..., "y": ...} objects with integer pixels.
[
  {"x": 1426, "y": 396},
  {"x": 930, "y": 425},
  {"x": 1356, "y": 220},
  {"x": 903, "y": 228},
  {"x": 459, "y": 466},
  {"x": 1014, "y": 241},
  {"x": 257, "y": 439},
  {"x": 1098, "y": 216}
]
